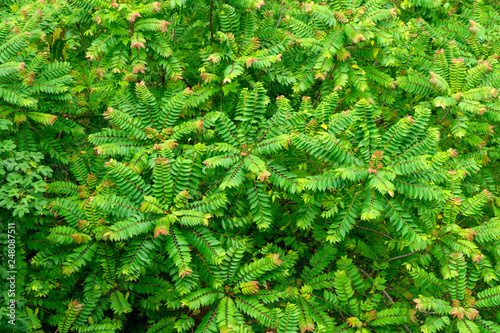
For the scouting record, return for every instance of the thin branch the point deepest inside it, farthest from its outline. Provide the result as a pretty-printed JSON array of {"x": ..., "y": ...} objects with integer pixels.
[
  {"x": 84, "y": 47},
  {"x": 386, "y": 294},
  {"x": 403, "y": 256},
  {"x": 428, "y": 312},
  {"x": 365, "y": 273},
  {"x": 211, "y": 27},
  {"x": 444, "y": 117},
  {"x": 172, "y": 24},
  {"x": 281, "y": 15},
  {"x": 375, "y": 231},
  {"x": 186, "y": 82}
]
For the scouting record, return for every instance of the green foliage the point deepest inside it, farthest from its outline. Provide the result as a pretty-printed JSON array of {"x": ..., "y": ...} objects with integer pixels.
[
  {"x": 251, "y": 166},
  {"x": 35, "y": 85},
  {"x": 23, "y": 176}
]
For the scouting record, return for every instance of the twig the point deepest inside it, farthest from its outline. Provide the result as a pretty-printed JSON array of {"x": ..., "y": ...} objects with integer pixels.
[
  {"x": 172, "y": 24},
  {"x": 281, "y": 15},
  {"x": 428, "y": 312},
  {"x": 84, "y": 47},
  {"x": 186, "y": 82},
  {"x": 386, "y": 294},
  {"x": 375, "y": 231},
  {"x": 444, "y": 117},
  {"x": 403, "y": 256},
  {"x": 211, "y": 27},
  {"x": 365, "y": 273}
]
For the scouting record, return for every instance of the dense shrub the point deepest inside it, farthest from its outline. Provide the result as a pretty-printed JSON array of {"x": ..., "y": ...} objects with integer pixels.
[{"x": 250, "y": 166}]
